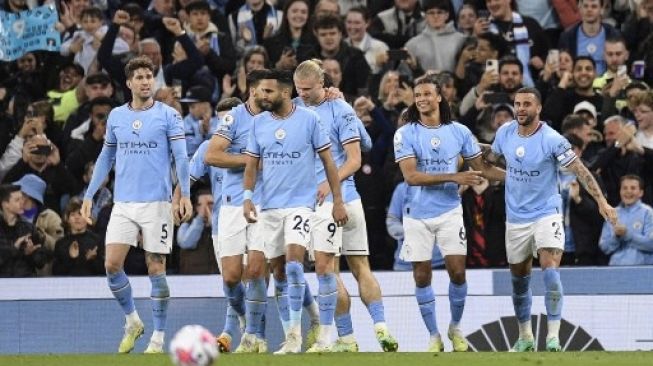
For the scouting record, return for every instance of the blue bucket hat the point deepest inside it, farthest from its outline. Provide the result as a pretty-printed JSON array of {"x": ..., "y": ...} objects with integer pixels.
[{"x": 32, "y": 186}]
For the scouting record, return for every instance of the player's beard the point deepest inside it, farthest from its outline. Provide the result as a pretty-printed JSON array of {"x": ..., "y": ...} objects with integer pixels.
[
  {"x": 530, "y": 118},
  {"x": 273, "y": 106}
]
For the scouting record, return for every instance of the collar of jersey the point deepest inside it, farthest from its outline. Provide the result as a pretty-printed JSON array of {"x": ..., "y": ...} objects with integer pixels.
[
  {"x": 430, "y": 127},
  {"x": 249, "y": 110},
  {"x": 539, "y": 127},
  {"x": 129, "y": 105},
  {"x": 287, "y": 116}
]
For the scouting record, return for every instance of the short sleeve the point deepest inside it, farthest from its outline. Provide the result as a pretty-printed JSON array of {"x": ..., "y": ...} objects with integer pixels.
[
  {"x": 403, "y": 144},
  {"x": 227, "y": 126},
  {"x": 175, "y": 125},
  {"x": 253, "y": 148},
  {"x": 561, "y": 149},
  {"x": 470, "y": 148},
  {"x": 348, "y": 127},
  {"x": 319, "y": 138}
]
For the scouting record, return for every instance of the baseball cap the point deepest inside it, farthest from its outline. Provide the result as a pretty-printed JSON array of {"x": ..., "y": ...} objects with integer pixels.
[
  {"x": 197, "y": 94},
  {"x": 585, "y": 106}
]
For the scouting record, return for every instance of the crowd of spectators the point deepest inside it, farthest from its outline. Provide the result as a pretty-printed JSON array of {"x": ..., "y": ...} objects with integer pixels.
[{"x": 592, "y": 61}]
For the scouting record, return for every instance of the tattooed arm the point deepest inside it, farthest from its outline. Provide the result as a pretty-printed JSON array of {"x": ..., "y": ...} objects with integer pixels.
[{"x": 585, "y": 177}]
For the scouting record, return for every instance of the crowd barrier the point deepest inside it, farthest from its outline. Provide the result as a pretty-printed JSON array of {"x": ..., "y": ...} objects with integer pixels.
[{"x": 604, "y": 309}]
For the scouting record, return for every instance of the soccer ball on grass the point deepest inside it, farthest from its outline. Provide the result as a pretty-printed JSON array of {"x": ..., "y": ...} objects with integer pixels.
[{"x": 193, "y": 345}]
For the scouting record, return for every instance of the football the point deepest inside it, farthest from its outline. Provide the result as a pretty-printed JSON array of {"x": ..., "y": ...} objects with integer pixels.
[{"x": 193, "y": 345}]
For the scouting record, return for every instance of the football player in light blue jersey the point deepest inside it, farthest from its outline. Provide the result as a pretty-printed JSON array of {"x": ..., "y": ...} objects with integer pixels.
[
  {"x": 237, "y": 236},
  {"x": 427, "y": 149},
  {"x": 341, "y": 123},
  {"x": 284, "y": 140},
  {"x": 533, "y": 152},
  {"x": 139, "y": 138}
]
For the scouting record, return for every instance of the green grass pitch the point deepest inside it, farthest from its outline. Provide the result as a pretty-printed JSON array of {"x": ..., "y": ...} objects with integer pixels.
[{"x": 359, "y": 359}]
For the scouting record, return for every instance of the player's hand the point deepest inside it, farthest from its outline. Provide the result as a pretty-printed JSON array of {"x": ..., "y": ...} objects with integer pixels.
[
  {"x": 339, "y": 214},
  {"x": 609, "y": 213},
  {"x": 86, "y": 211},
  {"x": 619, "y": 230},
  {"x": 468, "y": 178},
  {"x": 249, "y": 210},
  {"x": 185, "y": 209},
  {"x": 333, "y": 93},
  {"x": 323, "y": 191}
]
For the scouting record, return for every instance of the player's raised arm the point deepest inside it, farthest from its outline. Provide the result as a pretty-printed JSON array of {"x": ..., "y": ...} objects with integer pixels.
[{"x": 585, "y": 177}]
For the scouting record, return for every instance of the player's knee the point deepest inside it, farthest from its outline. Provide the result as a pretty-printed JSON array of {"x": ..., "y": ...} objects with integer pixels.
[
  {"x": 112, "y": 266},
  {"x": 254, "y": 270},
  {"x": 422, "y": 278},
  {"x": 457, "y": 276},
  {"x": 324, "y": 267},
  {"x": 231, "y": 278}
]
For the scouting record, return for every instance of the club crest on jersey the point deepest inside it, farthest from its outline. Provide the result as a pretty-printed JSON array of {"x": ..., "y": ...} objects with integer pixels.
[
  {"x": 228, "y": 120},
  {"x": 137, "y": 124},
  {"x": 520, "y": 152},
  {"x": 637, "y": 225},
  {"x": 280, "y": 134},
  {"x": 435, "y": 142}
]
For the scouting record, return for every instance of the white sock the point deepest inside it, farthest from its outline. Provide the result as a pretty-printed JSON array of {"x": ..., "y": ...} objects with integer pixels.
[
  {"x": 349, "y": 338},
  {"x": 314, "y": 312},
  {"x": 380, "y": 326},
  {"x": 554, "y": 328},
  {"x": 157, "y": 336},
  {"x": 454, "y": 327},
  {"x": 525, "y": 330},
  {"x": 324, "y": 334},
  {"x": 435, "y": 337},
  {"x": 133, "y": 318},
  {"x": 297, "y": 330}
]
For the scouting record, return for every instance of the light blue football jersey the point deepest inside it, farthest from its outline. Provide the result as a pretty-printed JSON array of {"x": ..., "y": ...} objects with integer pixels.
[
  {"x": 287, "y": 149},
  {"x": 140, "y": 142},
  {"x": 436, "y": 150},
  {"x": 341, "y": 123},
  {"x": 197, "y": 170},
  {"x": 194, "y": 136},
  {"x": 532, "y": 170},
  {"x": 235, "y": 127}
]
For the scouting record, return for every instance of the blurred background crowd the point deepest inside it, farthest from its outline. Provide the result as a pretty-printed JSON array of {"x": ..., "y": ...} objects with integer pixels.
[{"x": 592, "y": 61}]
